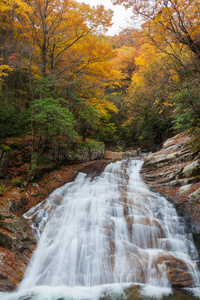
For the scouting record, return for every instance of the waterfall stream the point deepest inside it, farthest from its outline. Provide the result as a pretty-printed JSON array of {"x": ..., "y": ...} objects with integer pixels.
[{"x": 98, "y": 237}]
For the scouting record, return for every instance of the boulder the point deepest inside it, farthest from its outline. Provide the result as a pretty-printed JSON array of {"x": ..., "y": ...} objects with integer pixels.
[
  {"x": 193, "y": 169},
  {"x": 195, "y": 196}
]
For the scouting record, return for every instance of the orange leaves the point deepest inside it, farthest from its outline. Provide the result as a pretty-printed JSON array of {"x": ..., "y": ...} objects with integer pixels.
[
  {"x": 174, "y": 19},
  {"x": 124, "y": 63},
  {"x": 55, "y": 26},
  {"x": 158, "y": 17},
  {"x": 11, "y": 11},
  {"x": 18, "y": 6},
  {"x": 4, "y": 71},
  {"x": 97, "y": 17},
  {"x": 88, "y": 65}
]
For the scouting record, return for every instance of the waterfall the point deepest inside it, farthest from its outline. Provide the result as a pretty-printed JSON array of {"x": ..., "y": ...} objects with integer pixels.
[{"x": 98, "y": 236}]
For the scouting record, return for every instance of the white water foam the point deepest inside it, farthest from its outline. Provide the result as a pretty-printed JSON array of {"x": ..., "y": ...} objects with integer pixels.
[
  {"x": 155, "y": 292},
  {"x": 110, "y": 291}
]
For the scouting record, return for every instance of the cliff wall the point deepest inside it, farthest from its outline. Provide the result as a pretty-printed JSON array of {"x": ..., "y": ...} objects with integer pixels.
[{"x": 174, "y": 171}]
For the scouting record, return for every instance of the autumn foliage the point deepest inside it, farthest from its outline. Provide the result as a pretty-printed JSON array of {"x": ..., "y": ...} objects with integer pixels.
[{"x": 63, "y": 81}]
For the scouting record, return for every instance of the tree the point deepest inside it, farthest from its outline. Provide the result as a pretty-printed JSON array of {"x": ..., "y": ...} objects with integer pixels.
[
  {"x": 167, "y": 63},
  {"x": 50, "y": 120},
  {"x": 187, "y": 110},
  {"x": 13, "y": 77},
  {"x": 149, "y": 105},
  {"x": 54, "y": 26},
  {"x": 176, "y": 20},
  {"x": 125, "y": 63},
  {"x": 124, "y": 38}
]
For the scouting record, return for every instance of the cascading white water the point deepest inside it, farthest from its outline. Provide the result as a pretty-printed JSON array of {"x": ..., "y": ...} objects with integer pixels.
[{"x": 97, "y": 235}]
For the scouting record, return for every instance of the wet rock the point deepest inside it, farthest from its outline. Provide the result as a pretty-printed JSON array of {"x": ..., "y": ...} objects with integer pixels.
[
  {"x": 94, "y": 169},
  {"x": 138, "y": 265},
  {"x": 176, "y": 270},
  {"x": 192, "y": 169},
  {"x": 143, "y": 220}
]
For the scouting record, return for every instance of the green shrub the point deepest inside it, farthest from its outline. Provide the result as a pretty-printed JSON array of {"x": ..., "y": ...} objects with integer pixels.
[
  {"x": 92, "y": 145},
  {"x": 11, "y": 122}
]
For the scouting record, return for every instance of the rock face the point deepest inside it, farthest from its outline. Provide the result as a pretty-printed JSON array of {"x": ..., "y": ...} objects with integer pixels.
[
  {"x": 174, "y": 171},
  {"x": 16, "y": 246}
]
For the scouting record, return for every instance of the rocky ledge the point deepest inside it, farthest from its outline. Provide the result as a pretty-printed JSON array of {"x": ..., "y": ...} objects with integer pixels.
[
  {"x": 16, "y": 246},
  {"x": 174, "y": 172}
]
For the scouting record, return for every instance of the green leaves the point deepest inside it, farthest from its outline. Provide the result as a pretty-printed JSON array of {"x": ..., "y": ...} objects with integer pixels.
[
  {"x": 50, "y": 118},
  {"x": 187, "y": 112}
]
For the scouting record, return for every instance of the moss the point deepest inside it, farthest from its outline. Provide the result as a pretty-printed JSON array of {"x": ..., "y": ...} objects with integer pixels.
[
  {"x": 5, "y": 148},
  {"x": 16, "y": 182}
]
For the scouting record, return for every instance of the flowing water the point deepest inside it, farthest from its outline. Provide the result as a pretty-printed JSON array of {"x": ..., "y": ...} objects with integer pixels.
[{"x": 108, "y": 237}]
